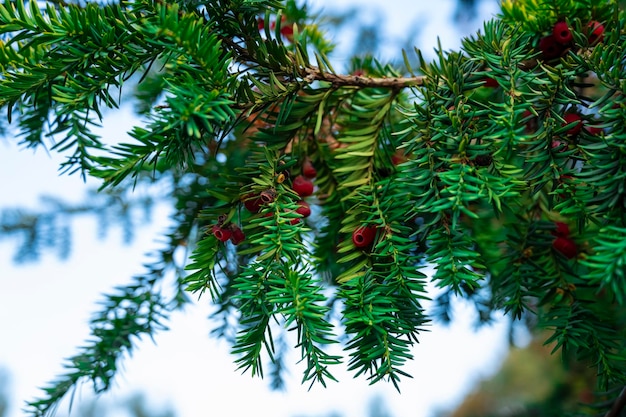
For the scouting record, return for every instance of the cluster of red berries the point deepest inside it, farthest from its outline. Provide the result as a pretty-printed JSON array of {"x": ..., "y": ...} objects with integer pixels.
[
  {"x": 555, "y": 44},
  {"x": 302, "y": 185},
  {"x": 286, "y": 29},
  {"x": 230, "y": 231},
  {"x": 562, "y": 242}
]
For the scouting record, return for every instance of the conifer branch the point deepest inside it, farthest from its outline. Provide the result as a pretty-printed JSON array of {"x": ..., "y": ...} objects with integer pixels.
[
  {"x": 480, "y": 174},
  {"x": 312, "y": 73}
]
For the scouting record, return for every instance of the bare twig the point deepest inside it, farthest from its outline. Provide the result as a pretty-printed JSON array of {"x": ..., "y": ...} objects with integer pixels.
[
  {"x": 618, "y": 405},
  {"x": 314, "y": 73}
]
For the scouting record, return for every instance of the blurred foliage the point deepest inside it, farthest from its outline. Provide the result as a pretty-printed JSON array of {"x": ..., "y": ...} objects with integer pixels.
[
  {"x": 134, "y": 406},
  {"x": 50, "y": 227},
  {"x": 532, "y": 382},
  {"x": 465, "y": 10}
]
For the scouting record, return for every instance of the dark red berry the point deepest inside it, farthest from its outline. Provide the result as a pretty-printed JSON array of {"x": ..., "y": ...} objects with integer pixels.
[
  {"x": 221, "y": 233},
  {"x": 304, "y": 209},
  {"x": 550, "y": 48},
  {"x": 363, "y": 236},
  {"x": 252, "y": 203},
  {"x": 594, "y": 130},
  {"x": 302, "y": 186},
  {"x": 398, "y": 158},
  {"x": 573, "y": 118},
  {"x": 287, "y": 31},
  {"x": 561, "y": 33},
  {"x": 490, "y": 82},
  {"x": 559, "y": 145},
  {"x": 531, "y": 121},
  {"x": 562, "y": 229},
  {"x": 308, "y": 170},
  {"x": 596, "y": 32},
  {"x": 237, "y": 235},
  {"x": 565, "y": 246},
  {"x": 483, "y": 160}
]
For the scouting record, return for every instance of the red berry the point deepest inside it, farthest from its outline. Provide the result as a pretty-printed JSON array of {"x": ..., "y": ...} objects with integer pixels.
[
  {"x": 559, "y": 145},
  {"x": 237, "y": 235},
  {"x": 596, "y": 34},
  {"x": 302, "y": 186},
  {"x": 573, "y": 118},
  {"x": 287, "y": 31},
  {"x": 531, "y": 121},
  {"x": 252, "y": 203},
  {"x": 550, "y": 48},
  {"x": 565, "y": 246},
  {"x": 304, "y": 209},
  {"x": 594, "y": 131},
  {"x": 363, "y": 236},
  {"x": 308, "y": 170},
  {"x": 483, "y": 160},
  {"x": 490, "y": 82},
  {"x": 562, "y": 229},
  {"x": 221, "y": 233},
  {"x": 561, "y": 33},
  {"x": 398, "y": 158}
]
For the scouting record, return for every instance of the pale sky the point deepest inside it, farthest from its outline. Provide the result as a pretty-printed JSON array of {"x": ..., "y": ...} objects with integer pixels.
[{"x": 45, "y": 306}]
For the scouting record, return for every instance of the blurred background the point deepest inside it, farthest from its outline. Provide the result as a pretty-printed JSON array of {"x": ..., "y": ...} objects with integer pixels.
[{"x": 49, "y": 288}]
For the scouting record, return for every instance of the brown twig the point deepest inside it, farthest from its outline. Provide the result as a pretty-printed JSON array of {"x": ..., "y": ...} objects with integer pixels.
[
  {"x": 618, "y": 405},
  {"x": 315, "y": 74}
]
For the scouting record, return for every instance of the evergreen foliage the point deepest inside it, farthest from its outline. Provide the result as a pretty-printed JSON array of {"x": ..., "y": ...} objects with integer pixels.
[
  {"x": 51, "y": 228},
  {"x": 468, "y": 163}
]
